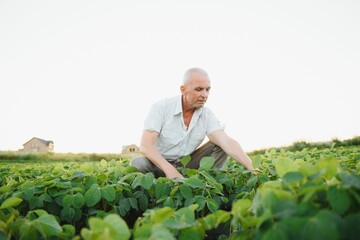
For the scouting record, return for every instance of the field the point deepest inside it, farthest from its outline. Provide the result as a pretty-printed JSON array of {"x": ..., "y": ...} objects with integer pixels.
[{"x": 311, "y": 192}]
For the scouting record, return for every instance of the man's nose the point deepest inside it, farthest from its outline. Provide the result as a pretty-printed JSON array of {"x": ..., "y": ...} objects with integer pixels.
[{"x": 204, "y": 94}]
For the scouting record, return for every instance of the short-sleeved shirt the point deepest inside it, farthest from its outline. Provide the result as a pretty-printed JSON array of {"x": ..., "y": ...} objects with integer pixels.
[{"x": 175, "y": 140}]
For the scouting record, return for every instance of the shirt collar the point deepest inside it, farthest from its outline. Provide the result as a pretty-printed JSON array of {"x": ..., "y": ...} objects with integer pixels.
[{"x": 178, "y": 108}]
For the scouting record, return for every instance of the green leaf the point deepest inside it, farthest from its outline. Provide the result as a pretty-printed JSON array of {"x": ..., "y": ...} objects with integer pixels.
[
  {"x": 193, "y": 233},
  {"x": 186, "y": 191},
  {"x": 240, "y": 207},
  {"x": 67, "y": 214},
  {"x": 118, "y": 227},
  {"x": 85, "y": 234},
  {"x": 125, "y": 204},
  {"x": 194, "y": 182},
  {"x": 78, "y": 200},
  {"x": 222, "y": 217},
  {"x": 143, "y": 202},
  {"x": 209, "y": 221},
  {"x": 183, "y": 218},
  {"x": 67, "y": 201},
  {"x": 169, "y": 202},
  {"x": 162, "y": 189},
  {"x": 350, "y": 180},
  {"x": 213, "y": 220},
  {"x": 264, "y": 199},
  {"x": 256, "y": 161},
  {"x": 284, "y": 209},
  {"x": 69, "y": 230},
  {"x": 285, "y": 165},
  {"x": 206, "y": 163},
  {"x": 26, "y": 229},
  {"x": 103, "y": 163},
  {"x": 47, "y": 225},
  {"x": 137, "y": 181},
  {"x": 330, "y": 165},
  {"x": 142, "y": 232},
  {"x": 4, "y": 189},
  {"x": 108, "y": 192},
  {"x": 208, "y": 177},
  {"x": 78, "y": 174},
  {"x": 11, "y": 202},
  {"x": 97, "y": 225},
  {"x": 160, "y": 232},
  {"x": 200, "y": 201},
  {"x": 293, "y": 177},
  {"x": 28, "y": 191},
  {"x": 133, "y": 203},
  {"x": 314, "y": 228},
  {"x": 90, "y": 181},
  {"x": 174, "y": 190},
  {"x": 40, "y": 212},
  {"x": 307, "y": 169},
  {"x": 275, "y": 232},
  {"x": 159, "y": 215},
  {"x": 212, "y": 205},
  {"x": 352, "y": 223},
  {"x": 3, "y": 236},
  {"x": 147, "y": 180},
  {"x": 92, "y": 196},
  {"x": 252, "y": 181},
  {"x": 37, "y": 202},
  {"x": 339, "y": 199},
  {"x": 185, "y": 160}
]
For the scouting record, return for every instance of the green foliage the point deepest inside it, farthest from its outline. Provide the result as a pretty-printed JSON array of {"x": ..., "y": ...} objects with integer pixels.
[
  {"x": 61, "y": 157},
  {"x": 295, "y": 195},
  {"x": 11, "y": 202},
  {"x": 111, "y": 227},
  {"x": 300, "y": 145}
]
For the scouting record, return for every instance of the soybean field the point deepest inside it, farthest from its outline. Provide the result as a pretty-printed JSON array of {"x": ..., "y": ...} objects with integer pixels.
[{"x": 312, "y": 193}]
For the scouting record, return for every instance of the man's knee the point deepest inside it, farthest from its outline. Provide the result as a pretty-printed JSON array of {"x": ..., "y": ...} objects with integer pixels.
[
  {"x": 144, "y": 165},
  {"x": 141, "y": 163}
]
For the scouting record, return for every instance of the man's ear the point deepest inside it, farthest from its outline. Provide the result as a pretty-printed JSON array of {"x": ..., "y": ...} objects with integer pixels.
[{"x": 182, "y": 89}]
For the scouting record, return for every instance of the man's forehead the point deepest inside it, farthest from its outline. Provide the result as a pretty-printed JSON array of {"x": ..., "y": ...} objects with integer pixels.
[
  {"x": 199, "y": 79},
  {"x": 199, "y": 75}
]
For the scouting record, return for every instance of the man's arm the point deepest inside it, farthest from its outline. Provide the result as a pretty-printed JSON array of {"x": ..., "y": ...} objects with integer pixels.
[
  {"x": 232, "y": 148},
  {"x": 147, "y": 148}
]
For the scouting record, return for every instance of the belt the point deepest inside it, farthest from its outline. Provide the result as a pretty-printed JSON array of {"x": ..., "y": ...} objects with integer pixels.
[{"x": 175, "y": 163}]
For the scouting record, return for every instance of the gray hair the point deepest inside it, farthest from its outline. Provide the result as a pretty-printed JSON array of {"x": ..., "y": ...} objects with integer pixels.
[{"x": 189, "y": 72}]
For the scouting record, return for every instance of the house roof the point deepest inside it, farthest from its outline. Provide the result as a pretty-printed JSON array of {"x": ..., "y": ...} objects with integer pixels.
[
  {"x": 41, "y": 140},
  {"x": 124, "y": 147}
]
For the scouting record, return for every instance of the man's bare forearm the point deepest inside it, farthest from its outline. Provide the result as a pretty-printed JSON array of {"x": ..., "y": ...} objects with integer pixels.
[
  {"x": 232, "y": 148},
  {"x": 156, "y": 158},
  {"x": 236, "y": 152}
]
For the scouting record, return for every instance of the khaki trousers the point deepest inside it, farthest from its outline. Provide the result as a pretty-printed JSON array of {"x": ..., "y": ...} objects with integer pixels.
[{"x": 144, "y": 165}]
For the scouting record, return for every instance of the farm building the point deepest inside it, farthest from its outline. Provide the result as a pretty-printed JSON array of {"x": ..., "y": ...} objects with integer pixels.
[
  {"x": 38, "y": 145},
  {"x": 132, "y": 148}
]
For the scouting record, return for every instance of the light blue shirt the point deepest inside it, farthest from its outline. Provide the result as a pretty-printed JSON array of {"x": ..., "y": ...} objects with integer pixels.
[{"x": 175, "y": 140}]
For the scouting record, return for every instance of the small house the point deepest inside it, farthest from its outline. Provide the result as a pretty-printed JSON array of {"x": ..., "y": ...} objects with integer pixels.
[
  {"x": 38, "y": 145},
  {"x": 132, "y": 148}
]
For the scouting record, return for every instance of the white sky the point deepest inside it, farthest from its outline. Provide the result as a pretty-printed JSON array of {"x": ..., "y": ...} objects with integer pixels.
[{"x": 85, "y": 73}]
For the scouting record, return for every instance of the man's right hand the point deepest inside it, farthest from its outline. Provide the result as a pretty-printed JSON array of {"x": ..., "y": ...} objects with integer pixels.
[{"x": 173, "y": 173}]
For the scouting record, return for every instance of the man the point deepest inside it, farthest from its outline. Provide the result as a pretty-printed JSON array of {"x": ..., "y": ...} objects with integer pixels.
[{"x": 176, "y": 127}]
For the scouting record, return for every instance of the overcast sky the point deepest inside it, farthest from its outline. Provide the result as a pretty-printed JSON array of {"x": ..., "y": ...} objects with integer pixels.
[{"x": 85, "y": 73}]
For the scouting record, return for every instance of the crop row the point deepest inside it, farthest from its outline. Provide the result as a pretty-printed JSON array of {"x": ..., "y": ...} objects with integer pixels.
[{"x": 294, "y": 195}]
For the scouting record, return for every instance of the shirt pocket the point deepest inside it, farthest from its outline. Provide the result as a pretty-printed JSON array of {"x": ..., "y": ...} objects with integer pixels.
[
  {"x": 196, "y": 138},
  {"x": 169, "y": 139}
]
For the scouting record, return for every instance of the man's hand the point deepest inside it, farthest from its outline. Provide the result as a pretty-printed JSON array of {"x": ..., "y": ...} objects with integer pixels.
[
  {"x": 232, "y": 148},
  {"x": 148, "y": 140},
  {"x": 173, "y": 173}
]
